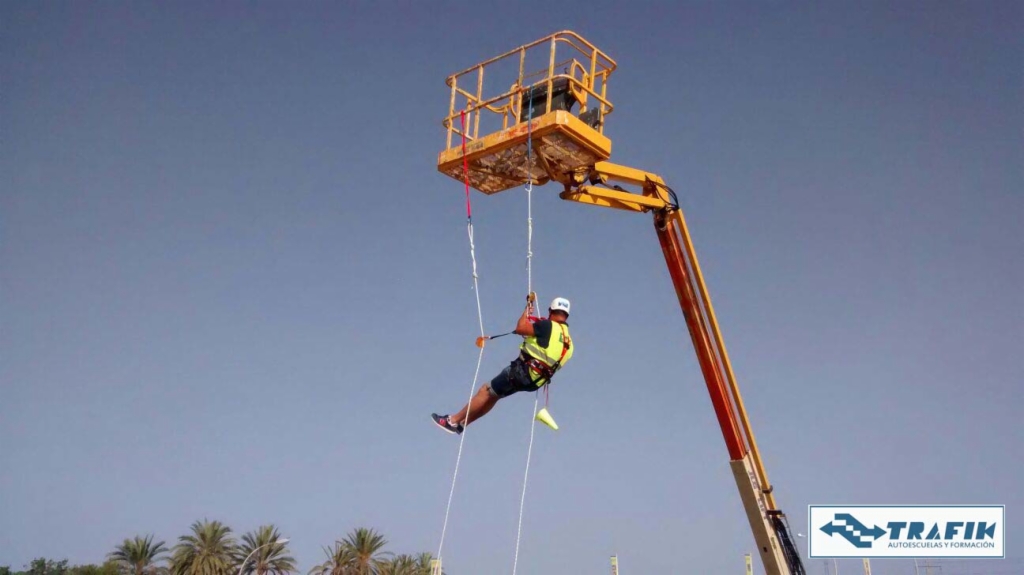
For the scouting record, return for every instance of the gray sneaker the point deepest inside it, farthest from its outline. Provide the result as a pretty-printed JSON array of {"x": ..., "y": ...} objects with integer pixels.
[{"x": 445, "y": 423}]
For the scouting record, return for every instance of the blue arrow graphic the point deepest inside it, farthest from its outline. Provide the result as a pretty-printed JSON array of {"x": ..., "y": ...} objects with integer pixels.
[
  {"x": 875, "y": 532},
  {"x": 832, "y": 529},
  {"x": 849, "y": 526}
]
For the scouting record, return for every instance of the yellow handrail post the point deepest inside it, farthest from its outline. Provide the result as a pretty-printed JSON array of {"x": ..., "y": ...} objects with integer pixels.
[
  {"x": 479, "y": 99},
  {"x": 551, "y": 73},
  {"x": 451, "y": 112}
]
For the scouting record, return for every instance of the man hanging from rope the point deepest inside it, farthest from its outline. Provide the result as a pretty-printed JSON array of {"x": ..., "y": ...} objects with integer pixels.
[{"x": 546, "y": 348}]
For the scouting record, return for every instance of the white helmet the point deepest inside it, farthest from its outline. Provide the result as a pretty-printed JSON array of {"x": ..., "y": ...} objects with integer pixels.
[{"x": 559, "y": 304}]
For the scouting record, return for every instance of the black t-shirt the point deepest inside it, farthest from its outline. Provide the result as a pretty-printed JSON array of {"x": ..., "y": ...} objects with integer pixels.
[{"x": 542, "y": 331}]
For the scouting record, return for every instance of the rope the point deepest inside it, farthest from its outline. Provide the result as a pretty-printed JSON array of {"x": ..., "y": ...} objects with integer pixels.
[
  {"x": 526, "y": 475},
  {"x": 529, "y": 201},
  {"x": 529, "y": 289},
  {"x": 480, "y": 357},
  {"x": 479, "y": 312}
]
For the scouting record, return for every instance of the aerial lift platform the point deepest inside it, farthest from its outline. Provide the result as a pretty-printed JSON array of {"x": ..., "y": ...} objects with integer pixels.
[{"x": 548, "y": 126}]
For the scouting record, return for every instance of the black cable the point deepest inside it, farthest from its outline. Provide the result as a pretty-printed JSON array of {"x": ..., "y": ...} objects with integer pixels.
[
  {"x": 789, "y": 551},
  {"x": 671, "y": 192}
]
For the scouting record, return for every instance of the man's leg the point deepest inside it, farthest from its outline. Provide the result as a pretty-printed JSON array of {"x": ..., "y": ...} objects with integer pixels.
[{"x": 482, "y": 402}]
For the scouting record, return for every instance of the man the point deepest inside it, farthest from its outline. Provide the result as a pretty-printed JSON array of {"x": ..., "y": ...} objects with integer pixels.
[{"x": 546, "y": 349}]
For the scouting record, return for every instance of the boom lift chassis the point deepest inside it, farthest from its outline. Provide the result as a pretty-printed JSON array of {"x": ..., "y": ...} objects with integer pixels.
[{"x": 543, "y": 139}]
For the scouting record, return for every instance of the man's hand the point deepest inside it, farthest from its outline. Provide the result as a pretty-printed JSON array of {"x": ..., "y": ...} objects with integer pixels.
[
  {"x": 531, "y": 299},
  {"x": 524, "y": 326}
]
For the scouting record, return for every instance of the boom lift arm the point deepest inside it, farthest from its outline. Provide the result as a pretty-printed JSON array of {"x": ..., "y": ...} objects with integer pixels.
[{"x": 777, "y": 549}]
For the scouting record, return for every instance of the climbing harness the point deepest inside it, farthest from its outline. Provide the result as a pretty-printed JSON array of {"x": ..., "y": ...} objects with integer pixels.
[{"x": 540, "y": 367}]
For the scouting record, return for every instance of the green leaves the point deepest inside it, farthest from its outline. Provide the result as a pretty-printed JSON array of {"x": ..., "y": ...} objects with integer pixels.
[
  {"x": 139, "y": 556},
  {"x": 362, "y": 553},
  {"x": 208, "y": 550},
  {"x": 339, "y": 560},
  {"x": 269, "y": 556},
  {"x": 366, "y": 545},
  {"x": 51, "y": 567}
]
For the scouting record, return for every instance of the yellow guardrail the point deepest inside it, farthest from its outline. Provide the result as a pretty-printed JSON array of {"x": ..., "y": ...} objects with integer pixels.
[{"x": 584, "y": 73}]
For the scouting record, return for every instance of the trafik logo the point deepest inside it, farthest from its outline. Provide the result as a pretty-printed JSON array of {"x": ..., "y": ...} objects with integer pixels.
[
  {"x": 854, "y": 531},
  {"x": 906, "y": 530}
]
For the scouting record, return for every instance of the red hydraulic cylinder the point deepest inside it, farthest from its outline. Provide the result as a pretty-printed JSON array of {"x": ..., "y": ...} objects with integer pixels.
[{"x": 709, "y": 366}]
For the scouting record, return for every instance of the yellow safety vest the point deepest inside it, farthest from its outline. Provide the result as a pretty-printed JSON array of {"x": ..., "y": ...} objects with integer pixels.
[{"x": 544, "y": 362}]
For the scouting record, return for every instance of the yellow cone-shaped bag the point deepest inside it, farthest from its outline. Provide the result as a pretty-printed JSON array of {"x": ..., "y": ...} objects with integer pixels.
[{"x": 544, "y": 417}]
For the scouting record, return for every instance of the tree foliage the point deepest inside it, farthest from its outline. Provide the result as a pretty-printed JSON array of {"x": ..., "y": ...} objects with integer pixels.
[
  {"x": 407, "y": 565},
  {"x": 208, "y": 550},
  {"x": 43, "y": 566},
  {"x": 367, "y": 546},
  {"x": 269, "y": 555},
  {"x": 339, "y": 559},
  {"x": 110, "y": 567},
  {"x": 139, "y": 556},
  {"x": 54, "y": 567},
  {"x": 362, "y": 553}
]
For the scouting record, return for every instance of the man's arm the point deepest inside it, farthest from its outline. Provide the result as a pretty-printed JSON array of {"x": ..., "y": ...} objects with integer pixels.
[{"x": 524, "y": 326}]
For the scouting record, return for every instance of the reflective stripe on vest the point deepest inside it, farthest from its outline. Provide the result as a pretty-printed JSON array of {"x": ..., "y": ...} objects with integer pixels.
[{"x": 558, "y": 351}]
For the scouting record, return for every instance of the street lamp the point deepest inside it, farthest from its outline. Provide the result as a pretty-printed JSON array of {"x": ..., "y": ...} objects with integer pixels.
[{"x": 246, "y": 560}]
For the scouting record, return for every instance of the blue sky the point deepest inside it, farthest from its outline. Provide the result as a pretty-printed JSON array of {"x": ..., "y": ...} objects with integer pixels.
[{"x": 233, "y": 285}]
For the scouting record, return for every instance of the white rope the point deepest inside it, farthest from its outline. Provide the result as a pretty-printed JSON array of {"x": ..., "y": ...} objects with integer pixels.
[
  {"x": 526, "y": 475},
  {"x": 529, "y": 290},
  {"x": 476, "y": 287},
  {"x": 472, "y": 391},
  {"x": 529, "y": 236},
  {"x": 476, "y": 374}
]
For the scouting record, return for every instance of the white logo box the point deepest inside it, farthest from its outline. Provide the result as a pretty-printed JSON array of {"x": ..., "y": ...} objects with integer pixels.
[{"x": 920, "y": 531}]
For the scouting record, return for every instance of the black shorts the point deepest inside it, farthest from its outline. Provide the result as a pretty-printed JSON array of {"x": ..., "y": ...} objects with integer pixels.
[{"x": 512, "y": 379}]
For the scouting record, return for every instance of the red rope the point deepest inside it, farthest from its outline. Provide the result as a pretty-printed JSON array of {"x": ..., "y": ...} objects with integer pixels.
[{"x": 465, "y": 164}]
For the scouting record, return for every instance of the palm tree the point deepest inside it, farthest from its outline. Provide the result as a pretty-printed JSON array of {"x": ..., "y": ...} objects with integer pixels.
[
  {"x": 424, "y": 564},
  {"x": 365, "y": 545},
  {"x": 408, "y": 565},
  {"x": 208, "y": 550},
  {"x": 139, "y": 556},
  {"x": 339, "y": 560},
  {"x": 270, "y": 556},
  {"x": 398, "y": 565}
]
